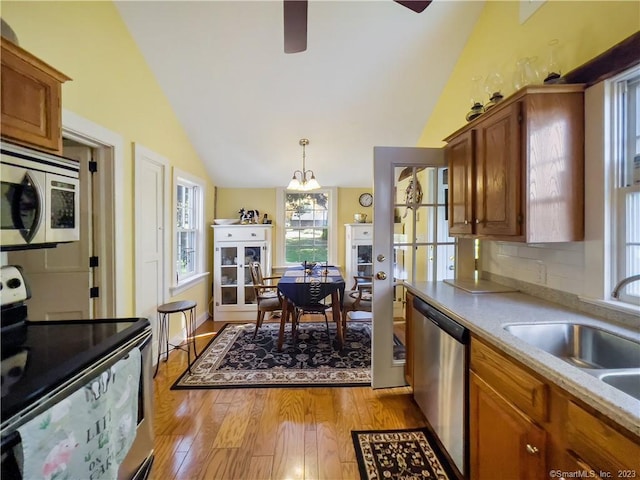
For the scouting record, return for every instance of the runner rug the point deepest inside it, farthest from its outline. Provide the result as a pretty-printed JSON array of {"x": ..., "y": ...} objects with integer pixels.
[
  {"x": 233, "y": 359},
  {"x": 399, "y": 454}
]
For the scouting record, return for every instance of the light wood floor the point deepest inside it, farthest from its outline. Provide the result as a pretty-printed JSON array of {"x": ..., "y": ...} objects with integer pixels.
[{"x": 266, "y": 433}]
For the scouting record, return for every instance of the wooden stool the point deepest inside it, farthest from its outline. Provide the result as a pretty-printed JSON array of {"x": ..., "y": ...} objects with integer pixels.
[{"x": 164, "y": 312}]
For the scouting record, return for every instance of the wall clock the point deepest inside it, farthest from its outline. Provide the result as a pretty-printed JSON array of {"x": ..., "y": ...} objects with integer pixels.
[{"x": 366, "y": 199}]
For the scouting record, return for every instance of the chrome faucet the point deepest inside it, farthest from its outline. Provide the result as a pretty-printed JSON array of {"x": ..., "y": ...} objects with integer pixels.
[{"x": 622, "y": 283}]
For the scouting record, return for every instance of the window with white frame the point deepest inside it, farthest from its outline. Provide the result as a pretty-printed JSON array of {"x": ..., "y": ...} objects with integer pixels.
[
  {"x": 626, "y": 201},
  {"x": 189, "y": 220},
  {"x": 308, "y": 220}
]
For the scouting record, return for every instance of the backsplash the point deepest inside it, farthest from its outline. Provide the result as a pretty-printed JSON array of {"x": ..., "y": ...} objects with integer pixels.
[
  {"x": 553, "y": 272},
  {"x": 558, "y": 266}
]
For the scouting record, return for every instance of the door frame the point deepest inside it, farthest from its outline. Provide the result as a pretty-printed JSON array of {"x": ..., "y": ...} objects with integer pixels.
[
  {"x": 386, "y": 371},
  {"x": 109, "y": 201}
]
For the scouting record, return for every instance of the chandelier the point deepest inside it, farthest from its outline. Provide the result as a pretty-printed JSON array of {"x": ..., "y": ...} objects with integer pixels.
[{"x": 303, "y": 180}]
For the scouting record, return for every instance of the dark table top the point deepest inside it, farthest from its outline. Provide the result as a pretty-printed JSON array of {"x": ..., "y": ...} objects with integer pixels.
[{"x": 296, "y": 281}]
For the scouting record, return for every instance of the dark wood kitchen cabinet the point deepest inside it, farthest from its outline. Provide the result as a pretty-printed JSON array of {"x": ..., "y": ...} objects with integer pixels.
[
  {"x": 31, "y": 100},
  {"x": 592, "y": 443},
  {"x": 522, "y": 426},
  {"x": 517, "y": 171},
  {"x": 505, "y": 441},
  {"x": 460, "y": 158},
  {"x": 507, "y": 407}
]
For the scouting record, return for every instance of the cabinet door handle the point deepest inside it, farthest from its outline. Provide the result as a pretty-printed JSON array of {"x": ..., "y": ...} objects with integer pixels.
[
  {"x": 365, "y": 233},
  {"x": 253, "y": 234},
  {"x": 531, "y": 449},
  {"x": 229, "y": 235}
]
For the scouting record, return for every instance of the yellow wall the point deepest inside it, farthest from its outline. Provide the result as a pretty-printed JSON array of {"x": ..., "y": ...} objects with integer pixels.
[
  {"x": 112, "y": 86},
  {"x": 584, "y": 28},
  {"x": 230, "y": 200},
  {"x": 348, "y": 205}
]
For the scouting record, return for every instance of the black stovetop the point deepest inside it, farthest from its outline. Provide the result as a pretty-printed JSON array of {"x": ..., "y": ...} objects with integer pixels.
[{"x": 55, "y": 351}]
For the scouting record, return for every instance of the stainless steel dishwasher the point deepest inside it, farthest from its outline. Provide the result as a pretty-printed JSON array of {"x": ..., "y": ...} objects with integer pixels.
[{"x": 441, "y": 361}]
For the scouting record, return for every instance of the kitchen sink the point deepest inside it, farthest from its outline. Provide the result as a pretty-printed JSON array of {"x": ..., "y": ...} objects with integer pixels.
[
  {"x": 628, "y": 382},
  {"x": 584, "y": 346}
]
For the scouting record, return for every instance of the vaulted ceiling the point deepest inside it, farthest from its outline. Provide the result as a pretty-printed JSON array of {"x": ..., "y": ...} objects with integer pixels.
[{"x": 371, "y": 75}]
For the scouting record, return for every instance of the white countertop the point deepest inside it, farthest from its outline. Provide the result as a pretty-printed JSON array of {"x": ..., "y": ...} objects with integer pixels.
[{"x": 486, "y": 314}]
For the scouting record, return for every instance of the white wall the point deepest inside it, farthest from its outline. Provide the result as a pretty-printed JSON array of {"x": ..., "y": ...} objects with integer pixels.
[{"x": 560, "y": 266}]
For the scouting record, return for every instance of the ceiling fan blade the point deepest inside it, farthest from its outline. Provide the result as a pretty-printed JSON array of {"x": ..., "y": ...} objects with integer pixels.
[
  {"x": 295, "y": 26},
  {"x": 415, "y": 5}
]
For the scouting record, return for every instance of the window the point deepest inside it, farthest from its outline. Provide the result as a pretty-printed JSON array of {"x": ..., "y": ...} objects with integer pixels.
[
  {"x": 189, "y": 220},
  {"x": 307, "y": 232},
  {"x": 626, "y": 201}
]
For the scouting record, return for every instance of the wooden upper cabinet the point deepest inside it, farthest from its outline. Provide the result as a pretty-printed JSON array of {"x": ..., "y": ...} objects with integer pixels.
[
  {"x": 30, "y": 99},
  {"x": 525, "y": 157},
  {"x": 498, "y": 206},
  {"x": 460, "y": 158}
]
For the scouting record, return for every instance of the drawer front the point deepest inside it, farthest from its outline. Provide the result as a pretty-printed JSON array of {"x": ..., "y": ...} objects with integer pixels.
[
  {"x": 599, "y": 445},
  {"x": 240, "y": 235},
  {"x": 363, "y": 233},
  {"x": 513, "y": 382}
]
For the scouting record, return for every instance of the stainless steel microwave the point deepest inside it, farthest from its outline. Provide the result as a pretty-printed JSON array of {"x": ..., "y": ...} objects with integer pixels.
[{"x": 39, "y": 200}]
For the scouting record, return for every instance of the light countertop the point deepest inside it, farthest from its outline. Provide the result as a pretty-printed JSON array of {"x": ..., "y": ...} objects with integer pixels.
[{"x": 486, "y": 314}]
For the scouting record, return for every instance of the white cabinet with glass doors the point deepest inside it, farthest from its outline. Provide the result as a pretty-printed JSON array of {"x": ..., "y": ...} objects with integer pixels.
[
  {"x": 235, "y": 247},
  {"x": 359, "y": 250}
]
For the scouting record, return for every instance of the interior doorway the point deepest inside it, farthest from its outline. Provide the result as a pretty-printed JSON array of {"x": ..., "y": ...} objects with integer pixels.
[
  {"x": 61, "y": 278},
  {"x": 64, "y": 284}
]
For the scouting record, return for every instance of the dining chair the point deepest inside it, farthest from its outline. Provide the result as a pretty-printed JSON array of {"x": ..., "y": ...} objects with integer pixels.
[
  {"x": 359, "y": 298},
  {"x": 312, "y": 302},
  {"x": 267, "y": 295}
]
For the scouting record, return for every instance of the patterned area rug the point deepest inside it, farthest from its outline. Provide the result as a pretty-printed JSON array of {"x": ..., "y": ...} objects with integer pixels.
[
  {"x": 399, "y": 454},
  {"x": 233, "y": 359}
]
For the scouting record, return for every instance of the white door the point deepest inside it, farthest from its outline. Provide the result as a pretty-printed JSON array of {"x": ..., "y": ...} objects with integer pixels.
[
  {"x": 150, "y": 194},
  {"x": 60, "y": 278},
  {"x": 405, "y": 239}
]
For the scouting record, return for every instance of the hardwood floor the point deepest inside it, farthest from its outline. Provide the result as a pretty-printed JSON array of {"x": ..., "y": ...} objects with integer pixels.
[{"x": 266, "y": 433}]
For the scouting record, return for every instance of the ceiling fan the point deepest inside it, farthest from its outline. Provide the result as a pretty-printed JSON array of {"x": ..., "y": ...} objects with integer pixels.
[{"x": 295, "y": 21}]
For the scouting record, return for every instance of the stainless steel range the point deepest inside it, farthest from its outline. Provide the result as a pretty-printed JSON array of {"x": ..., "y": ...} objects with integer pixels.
[{"x": 45, "y": 364}]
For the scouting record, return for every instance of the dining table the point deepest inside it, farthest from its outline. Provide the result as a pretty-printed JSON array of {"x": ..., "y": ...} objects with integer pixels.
[{"x": 294, "y": 285}]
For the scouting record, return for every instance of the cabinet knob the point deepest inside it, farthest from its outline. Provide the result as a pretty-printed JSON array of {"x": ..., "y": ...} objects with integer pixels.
[
  {"x": 229, "y": 235},
  {"x": 466, "y": 222},
  {"x": 381, "y": 276},
  {"x": 365, "y": 233},
  {"x": 477, "y": 220},
  {"x": 531, "y": 449},
  {"x": 253, "y": 234}
]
